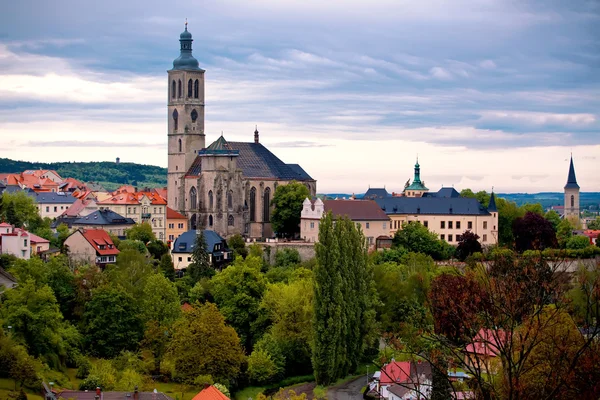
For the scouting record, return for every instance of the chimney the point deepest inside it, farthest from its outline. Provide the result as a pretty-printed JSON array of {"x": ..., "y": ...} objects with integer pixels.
[
  {"x": 136, "y": 394},
  {"x": 256, "y": 134},
  {"x": 98, "y": 393}
]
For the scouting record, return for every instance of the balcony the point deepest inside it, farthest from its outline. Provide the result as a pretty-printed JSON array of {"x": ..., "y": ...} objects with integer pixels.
[{"x": 146, "y": 215}]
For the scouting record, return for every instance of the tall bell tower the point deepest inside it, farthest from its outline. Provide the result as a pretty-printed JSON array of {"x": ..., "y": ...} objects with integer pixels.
[
  {"x": 572, "y": 195},
  {"x": 185, "y": 116}
]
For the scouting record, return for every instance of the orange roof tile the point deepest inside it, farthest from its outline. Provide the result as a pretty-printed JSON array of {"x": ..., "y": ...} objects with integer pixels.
[
  {"x": 155, "y": 198},
  {"x": 94, "y": 236},
  {"x": 210, "y": 393},
  {"x": 172, "y": 214}
]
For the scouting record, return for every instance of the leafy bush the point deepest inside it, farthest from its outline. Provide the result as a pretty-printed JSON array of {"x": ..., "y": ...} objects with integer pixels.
[
  {"x": 287, "y": 258},
  {"x": 83, "y": 368},
  {"x": 578, "y": 242}
]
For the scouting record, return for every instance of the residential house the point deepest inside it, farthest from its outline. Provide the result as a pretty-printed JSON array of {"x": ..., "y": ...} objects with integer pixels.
[
  {"x": 176, "y": 225},
  {"x": 405, "y": 380},
  {"x": 38, "y": 181},
  {"x": 210, "y": 393},
  {"x": 39, "y": 245},
  {"x": 15, "y": 241},
  {"x": 365, "y": 213},
  {"x": 216, "y": 247},
  {"x": 44, "y": 174},
  {"x": 51, "y": 204},
  {"x": 483, "y": 351},
  {"x": 71, "y": 185},
  {"x": 91, "y": 246},
  {"x": 141, "y": 207},
  {"x": 7, "y": 281},
  {"x": 81, "y": 207},
  {"x": 108, "y": 220}
]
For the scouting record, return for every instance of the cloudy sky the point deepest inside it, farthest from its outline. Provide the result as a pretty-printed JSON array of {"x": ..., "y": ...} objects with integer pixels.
[{"x": 486, "y": 92}]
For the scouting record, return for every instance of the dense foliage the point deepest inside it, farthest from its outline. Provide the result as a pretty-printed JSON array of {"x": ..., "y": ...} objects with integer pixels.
[{"x": 287, "y": 206}]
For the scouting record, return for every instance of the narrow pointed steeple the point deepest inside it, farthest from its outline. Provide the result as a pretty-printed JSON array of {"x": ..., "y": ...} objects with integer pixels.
[
  {"x": 571, "y": 180},
  {"x": 492, "y": 206}
]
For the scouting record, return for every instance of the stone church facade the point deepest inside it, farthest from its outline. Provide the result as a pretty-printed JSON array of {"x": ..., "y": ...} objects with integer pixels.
[{"x": 228, "y": 186}]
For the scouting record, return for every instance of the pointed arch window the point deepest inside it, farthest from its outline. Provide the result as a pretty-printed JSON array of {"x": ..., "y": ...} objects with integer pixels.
[
  {"x": 194, "y": 115},
  {"x": 193, "y": 198},
  {"x": 189, "y": 94},
  {"x": 253, "y": 204},
  {"x": 173, "y": 89},
  {"x": 219, "y": 200},
  {"x": 267, "y": 205},
  {"x": 179, "y": 89},
  {"x": 230, "y": 200},
  {"x": 210, "y": 200},
  {"x": 196, "y": 88},
  {"x": 230, "y": 220},
  {"x": 210, "y": 220},
  {"x": 572, "y": 201},
  {"x": 180, "y": 146},
  {"x": 175, "y": 120},
  {"x": 193, "y": 222}
]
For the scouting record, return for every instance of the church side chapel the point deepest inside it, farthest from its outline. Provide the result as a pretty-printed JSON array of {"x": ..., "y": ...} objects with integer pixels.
[{"x": 228, "y": 186}]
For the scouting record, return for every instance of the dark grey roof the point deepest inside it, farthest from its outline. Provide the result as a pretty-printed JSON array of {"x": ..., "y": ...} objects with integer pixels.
[
  {"x": 492, "y": 204},
  {"x": 376, "y": 193},
  {"x": 15, "y": 189},
  {"x": 256, "y": 161},
  {"x": 54, "y": 198},
  {"x": 300, "y": 171},
  {"x": 90, "y": 395},
  {"x": 571, "y": 180},
  {"x": 6, "y": 280},
  {"x": 64, "y": 220},
  {"x": 431, "y": 205},
  {"x": 185, "y": 242},
  {"x": 103, "y": 217}
]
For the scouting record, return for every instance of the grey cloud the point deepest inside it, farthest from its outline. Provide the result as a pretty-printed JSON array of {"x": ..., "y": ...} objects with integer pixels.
[{"x": 92, "y": 143}]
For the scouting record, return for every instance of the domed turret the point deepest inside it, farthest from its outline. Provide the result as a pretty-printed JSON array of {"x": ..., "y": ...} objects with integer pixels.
[{"x": 186, "y": 61}]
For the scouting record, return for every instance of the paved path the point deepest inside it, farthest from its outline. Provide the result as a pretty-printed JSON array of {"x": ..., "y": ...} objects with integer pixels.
[{"x": 349, "y": 390}]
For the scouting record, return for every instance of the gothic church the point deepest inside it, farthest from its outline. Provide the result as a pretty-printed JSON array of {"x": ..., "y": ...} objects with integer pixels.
[{"x": 228, "y": 186}]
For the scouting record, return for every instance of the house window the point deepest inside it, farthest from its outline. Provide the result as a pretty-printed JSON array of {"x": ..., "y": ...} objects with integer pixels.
[
  {"x": 469, "y": 225},
  {"x": 253, "y": 204},
  {"x": 180, "y": 226},
  {"x": 484, "y": 224},
  {"x": 484, "y": 238},
  {"x": 443, "y": 237},
  {"x": 25, "y": 242},
  {"x": 180, "y": 259},
  {"x": 449, "y": 238},
  {"x": 171, "y": 237},
  {"x": 189, "y": 259},
  {"x": 443, "y": 225},
  {"x": 267, "y": 205},
  {"x": 384, "y": 225},
  {"x": 457, "y": 224},
  {"x": 367, "y": 225},
  {"x": 230, "y": 220},
  {"x": 312, "y": 225},
  {"x": 47, "y": 209},
  {"x": 449, "y": 224},
  {"x": 426, "y": 224},
  {"x": 55, "y": 208}
]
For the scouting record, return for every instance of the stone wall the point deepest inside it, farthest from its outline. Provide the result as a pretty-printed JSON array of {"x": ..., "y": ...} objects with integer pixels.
[{"x": 306, "y": 250}]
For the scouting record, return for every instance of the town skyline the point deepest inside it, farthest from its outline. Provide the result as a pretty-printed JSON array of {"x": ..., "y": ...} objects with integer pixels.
[{"x": 352, "y": 104}]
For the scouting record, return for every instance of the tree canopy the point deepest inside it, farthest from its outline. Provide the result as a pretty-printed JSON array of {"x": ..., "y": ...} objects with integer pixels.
[{"x": 287, "y": 203}]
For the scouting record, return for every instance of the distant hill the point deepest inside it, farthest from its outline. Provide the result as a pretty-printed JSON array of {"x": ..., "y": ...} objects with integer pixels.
[{"x": 109, "y": 174}]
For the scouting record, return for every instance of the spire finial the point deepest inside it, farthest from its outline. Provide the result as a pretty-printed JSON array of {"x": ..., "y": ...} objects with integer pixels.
[
  {"x": 186, "y": 24},
  {"x": 255, "y": 133},
  {"x": 221, "y": 133},
  {"x": 492, "y": 189}
]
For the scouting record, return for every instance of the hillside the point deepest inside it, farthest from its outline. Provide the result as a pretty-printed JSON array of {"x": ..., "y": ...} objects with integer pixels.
[{"x": 110, "y": 174}]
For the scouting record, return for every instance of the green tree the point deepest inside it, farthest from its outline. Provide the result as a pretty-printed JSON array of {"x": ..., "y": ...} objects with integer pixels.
[
  {"x": 507, "y": 213},
  {"x": 416, "y": 238},
  {"x": 532, "y": 207},
  {"x": 287, "y": 203},
  {"x": 142, "y": 232},
  {"x": 578, "y": 242},
  {"x": 564, "y": 232},
  {"x": 63, "y": 232},
  {"x": 111, "y": 323},
  {"x": 166, "y": 267},
  {"x": 136, "y": 245},
  {"x": 157, "y": 249},
  {"x": 238, "y": 291},
  {"x": 238, "y": 245},
  {"x": 554, "y": 219},
  {"x": 130, "y": 272},
  {"x": 204, "y": 345},
  {"x": 595, "y": 224},
  {"x": 19, "y": 209},
  {"x": 201, "y": 266},
  {"x": 17, "y": 364},
  {"x": 287, "y": 258},
  {"x": 261, "y": 367}
]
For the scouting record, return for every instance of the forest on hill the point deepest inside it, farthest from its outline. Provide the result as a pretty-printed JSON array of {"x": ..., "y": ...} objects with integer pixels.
[{"x": 109, "y": 174}]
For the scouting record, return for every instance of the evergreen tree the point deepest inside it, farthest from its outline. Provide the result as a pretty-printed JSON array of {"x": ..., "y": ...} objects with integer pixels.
[
  {"x": 200, "y": 266},
  {"x": 166, "y": 267}
]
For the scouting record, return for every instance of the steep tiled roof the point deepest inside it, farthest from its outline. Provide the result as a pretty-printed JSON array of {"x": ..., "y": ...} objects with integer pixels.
[
  {"x": 210, "y": 393},
  {"x": 431, "y": 206},
  {"x": 492, "y": 204},
  {"x": 154, "y": 197},
  {"x": 36, "y": 239},
  {"x": 356, "y": 210},
  {"x": 374, "y": 193},
  {"x": 99, "y": 237},
  {"x": 54, "y": 198},
  {"x": 571, "y": 179},
  {"x": 103, "y": 217},
  {"x": 485, "y": 342},
  {"x": 121, "y": 198},
  {"x": 395, "y": 372},
  {"x": 172, "y": 214},
  {"x": 185, "y": 242}
]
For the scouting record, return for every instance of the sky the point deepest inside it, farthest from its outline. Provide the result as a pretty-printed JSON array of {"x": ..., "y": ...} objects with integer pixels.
[{"x": 487, "y": 93}]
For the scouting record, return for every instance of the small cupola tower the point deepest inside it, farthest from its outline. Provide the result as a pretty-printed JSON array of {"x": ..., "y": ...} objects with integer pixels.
[
  {"x": 572, "y": 195},
  {"x": 185, "y": 116}
]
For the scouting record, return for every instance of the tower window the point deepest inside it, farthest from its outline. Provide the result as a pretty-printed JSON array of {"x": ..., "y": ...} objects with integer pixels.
[
  {"x": 189, "y": 94},
  {"x": 173, "y": 88},
  {"x": 180, "y": 145},
  {"x": 210, "y": 220},
  {"x": 193, "y": 222},
  {"x": 230, "y": 199},
  {"x": 179, "y": 91},
  {"x": 196, "y": 88},
  {"x": 194, "y": 115},
  {"x": 210, "y": 200},
  {"x": 175, "y": 124},
  {"x": 267, "y": 205},
  {"x": 572, "y": 201},
  {"x": 253, "y": 204},
  {"x": 230, "y": 220},
  {"x": 193, "y": 198}
]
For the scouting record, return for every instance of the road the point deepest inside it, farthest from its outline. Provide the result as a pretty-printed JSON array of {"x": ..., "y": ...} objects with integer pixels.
[{"x": 349, "y": 390}]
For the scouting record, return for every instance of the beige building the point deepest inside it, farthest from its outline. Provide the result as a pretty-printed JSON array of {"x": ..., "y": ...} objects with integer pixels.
[
  {"x": 91, "y": 246},
  {"x": 226, "y": 187},
  {"x": 140, "y": 207},
  {"x": 366, "y": 213},
  {"x": 176, "y": 225},
  {"x": 51, "y": 204}
]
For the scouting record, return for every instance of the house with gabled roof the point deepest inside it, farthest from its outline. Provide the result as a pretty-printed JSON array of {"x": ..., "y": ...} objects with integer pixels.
[
  {"x": 210, "y": 393},
  {"x": 177, "y": 224},
  {"x": 405, "y": 380},
  {"x": 108, "y": 220},
  {"x": 215, "y": 245},
  {"x": 91, "y": 246},
  {"x": 7, "y": 281}
]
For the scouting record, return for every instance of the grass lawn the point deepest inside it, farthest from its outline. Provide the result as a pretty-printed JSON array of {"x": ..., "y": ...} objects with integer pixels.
[
  {"x": 249, "y": 392},
  {"x": 7, "y": 385}
]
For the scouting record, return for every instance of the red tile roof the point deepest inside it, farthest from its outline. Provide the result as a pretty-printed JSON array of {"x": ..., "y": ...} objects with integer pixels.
[
  {"x": 172, "y": 214},
  {"x": 155, "y": 198},
  {"x": 485, "y": 342},
  {"x": 395, "y": 372},
  {"x": 210, "y": 393},
  {"x": 356, "y": 210},
  {"x": 96, "y": 237}
]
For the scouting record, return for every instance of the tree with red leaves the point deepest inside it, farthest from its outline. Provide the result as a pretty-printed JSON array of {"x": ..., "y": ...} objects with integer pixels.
[
  {"x": 467, "y": 245},
  {"x": 533, "y": 232}
]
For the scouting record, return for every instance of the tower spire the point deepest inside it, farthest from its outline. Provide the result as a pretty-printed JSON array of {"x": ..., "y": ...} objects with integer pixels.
[{"x": 571, "y": 179}]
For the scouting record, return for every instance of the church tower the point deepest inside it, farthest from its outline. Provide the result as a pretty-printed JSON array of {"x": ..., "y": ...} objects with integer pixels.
[
  {"x": 185, "y": 115},
  {"x": 572, "y": 195}
]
